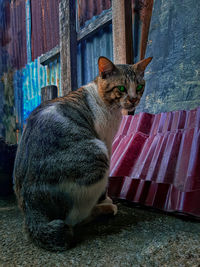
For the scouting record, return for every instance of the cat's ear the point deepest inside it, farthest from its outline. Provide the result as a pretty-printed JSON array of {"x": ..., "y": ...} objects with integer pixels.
[
  {"x": 106, "y": 67},
  {"x": 141, "y": 65}
]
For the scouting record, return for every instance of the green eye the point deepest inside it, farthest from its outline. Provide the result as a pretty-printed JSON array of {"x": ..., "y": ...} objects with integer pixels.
[
  {"x": 139, "y": 88},
  {"x": 121, "y": 88}
]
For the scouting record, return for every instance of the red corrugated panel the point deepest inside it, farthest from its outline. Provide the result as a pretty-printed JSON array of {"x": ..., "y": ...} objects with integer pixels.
[
  {"x": 156, "y": 161},
  {"x": 89, "y": 8},
  {"x": 45, "y": 26}
]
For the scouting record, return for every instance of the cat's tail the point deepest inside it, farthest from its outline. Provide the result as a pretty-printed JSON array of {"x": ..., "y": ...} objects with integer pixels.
[{"x": 54, "y": 235}]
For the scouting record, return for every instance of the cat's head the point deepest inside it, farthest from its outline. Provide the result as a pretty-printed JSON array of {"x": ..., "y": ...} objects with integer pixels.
[{"x": 121, "y": 86}]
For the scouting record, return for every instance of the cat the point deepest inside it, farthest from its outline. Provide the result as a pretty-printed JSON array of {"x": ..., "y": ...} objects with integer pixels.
[{"x": 62, "y": 162}]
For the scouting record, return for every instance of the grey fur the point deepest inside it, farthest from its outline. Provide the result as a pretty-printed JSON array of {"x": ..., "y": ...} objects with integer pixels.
[
  {"x": 57, "y": 158},
  {"x": 62, "y": 162}
]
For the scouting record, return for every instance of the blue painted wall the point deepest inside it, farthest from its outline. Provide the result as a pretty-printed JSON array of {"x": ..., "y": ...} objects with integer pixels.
[
  {"x": 28, "y": 83},
  {"x": 89, "y": 51},
  {"x": 29, "y": 80}
]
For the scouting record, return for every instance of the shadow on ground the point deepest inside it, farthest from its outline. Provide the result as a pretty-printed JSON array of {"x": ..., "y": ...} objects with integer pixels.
[{"x": 134, "y": 237}]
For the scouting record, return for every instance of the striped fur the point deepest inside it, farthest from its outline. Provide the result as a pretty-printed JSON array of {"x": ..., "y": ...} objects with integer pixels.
[{"x": 62, "y": 162}]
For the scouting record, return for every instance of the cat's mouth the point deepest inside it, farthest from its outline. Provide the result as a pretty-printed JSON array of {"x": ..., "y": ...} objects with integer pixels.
[{"x": 130, "y": 107}]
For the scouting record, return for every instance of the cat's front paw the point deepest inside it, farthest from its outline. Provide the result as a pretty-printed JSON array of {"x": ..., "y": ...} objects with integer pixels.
[
  {"x": 108, "y": 200},
  {"x": 115, "y": 209},
  {"x": 105, "y": 209}
]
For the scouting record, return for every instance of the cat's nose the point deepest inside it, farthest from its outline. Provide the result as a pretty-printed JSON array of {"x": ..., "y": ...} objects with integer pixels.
[{"x": 133, "y": 99}]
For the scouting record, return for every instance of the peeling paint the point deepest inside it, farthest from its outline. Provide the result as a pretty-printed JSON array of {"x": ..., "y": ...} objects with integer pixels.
[{"x": 30, "y": 80}]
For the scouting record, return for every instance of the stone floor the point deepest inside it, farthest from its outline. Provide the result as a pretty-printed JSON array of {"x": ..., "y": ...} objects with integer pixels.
[{"x": 134, "y": 237}]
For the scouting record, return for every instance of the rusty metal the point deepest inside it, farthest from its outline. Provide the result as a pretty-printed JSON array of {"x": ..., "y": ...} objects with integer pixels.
[
  {"x": 18, "y": 33},
  {"x": 45, "y": 26},
  {"x": 13, "y": 34},
  {"x": 141, "y": 13},
  {"x": 87, "y": 9},
  {"x": 146, "y": 19}
]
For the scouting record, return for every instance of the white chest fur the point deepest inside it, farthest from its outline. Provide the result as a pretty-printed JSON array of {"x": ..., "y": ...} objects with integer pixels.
[{"x": 106, "y": 121}]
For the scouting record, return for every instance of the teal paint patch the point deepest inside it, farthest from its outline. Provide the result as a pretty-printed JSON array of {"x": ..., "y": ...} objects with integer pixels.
[{"x": 28, "y": 83}]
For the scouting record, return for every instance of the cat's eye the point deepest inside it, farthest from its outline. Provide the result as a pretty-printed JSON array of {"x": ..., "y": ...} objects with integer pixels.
[
  {"x": 121, "y": 88},
  {"x": 139, "y": 88}
]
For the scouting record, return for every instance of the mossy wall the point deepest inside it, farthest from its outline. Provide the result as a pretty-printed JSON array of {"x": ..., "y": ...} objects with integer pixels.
[{"x": 8, "y": 115}]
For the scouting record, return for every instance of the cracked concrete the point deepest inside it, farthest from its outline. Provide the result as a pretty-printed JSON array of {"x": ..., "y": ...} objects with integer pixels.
[{"x": 134, "y": 237}]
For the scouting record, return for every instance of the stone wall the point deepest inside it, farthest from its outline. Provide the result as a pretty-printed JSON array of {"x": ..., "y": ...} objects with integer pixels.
[{"x": 173, "y": 76}]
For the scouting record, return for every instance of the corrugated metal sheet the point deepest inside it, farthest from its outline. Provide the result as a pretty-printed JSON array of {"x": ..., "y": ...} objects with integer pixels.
[
  {"x": 45, "y": 35},
  {"x": 155, "y": 161},
  {"x": 88, "y": 52},
  {"x": 4, "y": 22},
  {"x": 28, "y": 83},
  {"x": 53, "y": 74},
  {"x": 141, "y": 13},
  {"x": 45, "y": 26},
  {"x": 4, "y": 38},
  {"x": 87, "y": 9},
  {"x": 18, "y": 34},
  {"x": 13, "y": 33}
]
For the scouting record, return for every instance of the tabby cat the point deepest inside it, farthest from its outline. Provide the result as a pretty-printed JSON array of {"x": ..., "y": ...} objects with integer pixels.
[{"x": 62, "y": 162}]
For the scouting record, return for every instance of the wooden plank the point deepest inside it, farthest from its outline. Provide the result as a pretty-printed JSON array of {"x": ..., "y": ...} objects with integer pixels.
[
  {"x": 122, "y": 31},
  {"x": 148, "y": 6},
  {"x": 50, "y": 55},
  {"x": 49, "y": 92},
  {"x": 102, "y": 21},
  {"x": 68, "y": 45}
]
